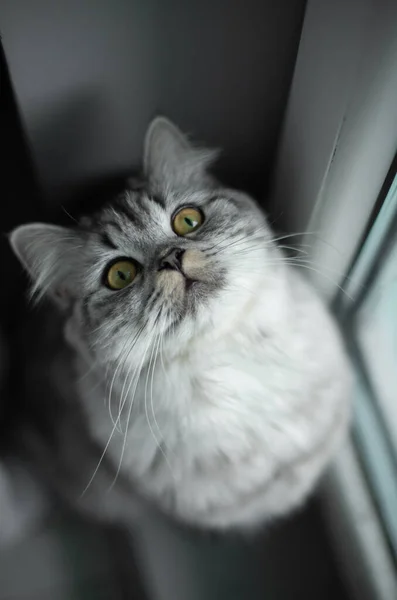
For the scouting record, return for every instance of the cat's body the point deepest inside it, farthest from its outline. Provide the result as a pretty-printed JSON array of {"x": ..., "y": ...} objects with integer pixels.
[
  {"x": 215, "y": 384},
  {"x": 229, "y": 433}
]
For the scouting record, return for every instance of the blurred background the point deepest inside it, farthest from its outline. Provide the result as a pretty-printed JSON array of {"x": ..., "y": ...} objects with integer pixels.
[{"x": 301, "y": 97}]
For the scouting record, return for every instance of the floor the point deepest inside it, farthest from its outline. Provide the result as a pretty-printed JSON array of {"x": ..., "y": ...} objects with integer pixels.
[{"x": 73, "y": 561}]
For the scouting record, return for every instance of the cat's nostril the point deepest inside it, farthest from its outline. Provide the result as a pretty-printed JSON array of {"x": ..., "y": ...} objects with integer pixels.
[
  {"x": 173, "y": 260},
  {"x": 178, "y": 254}
]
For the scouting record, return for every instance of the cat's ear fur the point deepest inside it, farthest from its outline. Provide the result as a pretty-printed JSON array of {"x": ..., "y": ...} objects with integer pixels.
[
  {"x": 170, "y": 161},
  {"x": 49, "y": 254}
]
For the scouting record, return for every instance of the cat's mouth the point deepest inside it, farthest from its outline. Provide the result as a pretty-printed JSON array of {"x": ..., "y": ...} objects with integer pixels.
[
  {"x": 189, "y": 282},
  {"x": 175, "y": 283}
]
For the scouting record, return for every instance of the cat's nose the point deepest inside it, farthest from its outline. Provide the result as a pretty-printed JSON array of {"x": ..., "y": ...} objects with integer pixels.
[{"x": 172, "y": 260}]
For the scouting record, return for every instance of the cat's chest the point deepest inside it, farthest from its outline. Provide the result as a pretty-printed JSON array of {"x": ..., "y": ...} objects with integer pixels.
[
  {"x": 208, "y": 397},
  {"x": 214, "y": 393},
  {"x": 203, "y": 397}
]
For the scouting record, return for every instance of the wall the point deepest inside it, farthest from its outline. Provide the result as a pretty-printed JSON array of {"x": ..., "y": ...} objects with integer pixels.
[{"x": 89, "y": 75}]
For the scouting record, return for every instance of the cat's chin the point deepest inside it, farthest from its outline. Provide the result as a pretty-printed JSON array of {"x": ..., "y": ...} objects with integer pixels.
[
  {"x": 178, "y": 288},
  {"x": 187, "y": 298},
  {"x": 171, "y": 284},
  {"x": 196, "y": 302}
]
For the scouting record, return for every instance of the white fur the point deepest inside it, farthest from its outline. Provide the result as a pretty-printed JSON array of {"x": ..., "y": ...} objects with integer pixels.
[
  {"x": 247, "y": 419},
  {"x": 229, "y": 419}
]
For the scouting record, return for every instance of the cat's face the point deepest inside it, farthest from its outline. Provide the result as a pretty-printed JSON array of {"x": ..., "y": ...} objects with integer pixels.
[{"x": 164, "y": 262}]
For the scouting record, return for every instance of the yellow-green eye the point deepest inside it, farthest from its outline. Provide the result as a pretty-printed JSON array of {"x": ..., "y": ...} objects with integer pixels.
[
  {"x": 187, "y": 220},
  {"x": 121, "y": 274}
]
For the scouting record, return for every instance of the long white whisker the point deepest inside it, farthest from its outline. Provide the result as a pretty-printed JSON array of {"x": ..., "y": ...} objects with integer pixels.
[
  {"x": 290, "y": 235},
  {"x": 294, "y": 249},
  {"x": 126, "y": 390},
  {"x": 138, "y": 374},
  {"x": 151, "y": 392},
  {"x": 126, "y": 356},
  {"x": 305, "y": 266},
  {"x": 103, "y": 454},
  {"x": 296, "y": 260},
  {"x": 162, "y": 359},
  {"x": 154, "y": 418},
  {"x": 123, "y": 356}
]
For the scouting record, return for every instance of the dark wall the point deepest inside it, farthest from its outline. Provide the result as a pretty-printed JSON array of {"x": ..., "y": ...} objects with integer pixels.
[
  {"x": 88, "y": 75},
  {"x": 19, "y": 192}
]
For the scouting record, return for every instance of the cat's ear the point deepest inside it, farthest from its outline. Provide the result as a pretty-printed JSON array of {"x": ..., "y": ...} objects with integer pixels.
[
  {"x": 49, "y": 254},
  {"x": 169, "y": 159}
]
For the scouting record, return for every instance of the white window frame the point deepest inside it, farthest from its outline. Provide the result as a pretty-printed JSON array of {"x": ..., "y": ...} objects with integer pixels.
[{"x": 337, "y": 144}]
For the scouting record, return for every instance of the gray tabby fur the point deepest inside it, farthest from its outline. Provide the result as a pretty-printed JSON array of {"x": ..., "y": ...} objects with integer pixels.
[{"x": 219, "y": 403}]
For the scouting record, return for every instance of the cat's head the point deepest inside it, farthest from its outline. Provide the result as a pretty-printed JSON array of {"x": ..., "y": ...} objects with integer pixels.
[{"x": 172, "y": 258}]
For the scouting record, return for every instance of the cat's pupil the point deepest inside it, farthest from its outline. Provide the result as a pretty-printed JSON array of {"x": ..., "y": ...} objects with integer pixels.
[
  {"x": 189, "y": 222},
  {"x": 121, "y": 275}
]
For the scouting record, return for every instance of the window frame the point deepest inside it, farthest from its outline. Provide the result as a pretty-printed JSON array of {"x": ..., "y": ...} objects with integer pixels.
[{"x": 370, "y": 432}]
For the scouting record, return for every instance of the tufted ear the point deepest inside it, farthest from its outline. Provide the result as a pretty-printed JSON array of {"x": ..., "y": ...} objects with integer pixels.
[
  {"x": 169, "y": 159},
  {"x": 49, "y": 253}
]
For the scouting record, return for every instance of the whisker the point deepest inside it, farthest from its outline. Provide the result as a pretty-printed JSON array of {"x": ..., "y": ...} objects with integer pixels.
[
  {"x": 311, "y": 261},
  {"x": 130, "y": 410},
  {"x": 306, "y": 266},
  {"x": 69, "y": 215},
  {"x": 123, "y": 358},
  {"x": 290, "y": 235},
  {"x": 121, "y": 403},
  {"x": 294, "y": 249},
  {"x": 154, "y": 416},
  {"x": 151, "y": 391},
  {"x": 101, "y": 457},
  {"x": 244, "y": 241},
  {"x": 162, "y": 360}
]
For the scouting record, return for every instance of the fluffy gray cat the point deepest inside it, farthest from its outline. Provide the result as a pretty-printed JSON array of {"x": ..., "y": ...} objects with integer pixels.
[{"x": 201, "y": 375}]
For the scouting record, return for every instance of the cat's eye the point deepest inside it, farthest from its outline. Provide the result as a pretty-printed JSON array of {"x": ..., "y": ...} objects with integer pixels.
[
  {"x": 187, "y": 220},
  {"x": 121, "y": 274}
]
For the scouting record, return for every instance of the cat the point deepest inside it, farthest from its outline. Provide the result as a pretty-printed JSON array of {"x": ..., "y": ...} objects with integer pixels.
[{"x": 191, "y": 368}]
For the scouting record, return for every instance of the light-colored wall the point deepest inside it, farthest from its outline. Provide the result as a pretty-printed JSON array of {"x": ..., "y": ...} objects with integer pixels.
[{"x": 89, "y": 75}]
